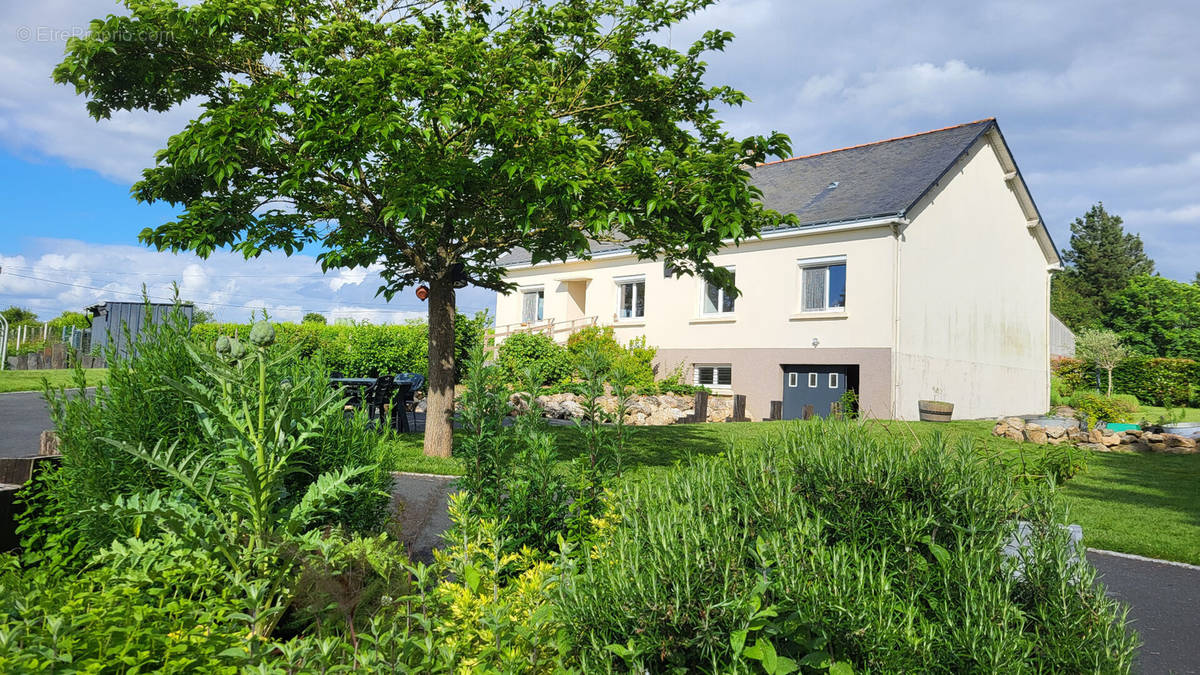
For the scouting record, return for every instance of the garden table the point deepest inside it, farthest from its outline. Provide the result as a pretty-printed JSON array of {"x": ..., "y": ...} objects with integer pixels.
[{"x": 377, "y": 393}]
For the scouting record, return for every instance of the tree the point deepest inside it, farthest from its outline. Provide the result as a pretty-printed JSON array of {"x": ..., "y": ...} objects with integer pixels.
[
  {"x": 432, "y": 137},
  {"x": 1103, "y": 348},
  {"x": 73, "y": 319},
  {"x": 1158, "y": 317},
  {"x": 1196, "y": 281},
  {"x": 313, "y": 317},
  {"x": 1103, "y": 257},
  {"x": 1074, "y": 309},
  {"x": 16, "y": 315},
  {"x": 201, "y": 315}
]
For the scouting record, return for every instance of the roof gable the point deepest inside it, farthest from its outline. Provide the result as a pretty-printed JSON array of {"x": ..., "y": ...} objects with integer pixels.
[{"x": 876, "y": 180}]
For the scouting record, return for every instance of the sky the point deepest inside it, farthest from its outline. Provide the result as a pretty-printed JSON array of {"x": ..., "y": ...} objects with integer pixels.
[{"x": 1096, "y": 99}]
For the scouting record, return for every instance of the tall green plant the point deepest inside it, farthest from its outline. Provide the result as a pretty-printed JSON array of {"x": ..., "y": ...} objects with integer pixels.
[{"x": 232, "y": 499}]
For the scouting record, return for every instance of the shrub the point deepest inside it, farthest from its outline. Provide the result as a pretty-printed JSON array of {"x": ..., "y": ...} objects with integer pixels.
[
  {"x": 139, "y": 406},
  {"x": 521, "y": 350},
  {"x": 509, "y": 472},
  {"x": 828, "y": 544},
  {"x": 1073, "y": 373},
  {"x": 1092, "y": 406},
  {"x": 1161, "y": 382},
  {"x": 360, "y": 350},
  {"x": 636, "y": 359},
  {"x": 168, "y": 612}
]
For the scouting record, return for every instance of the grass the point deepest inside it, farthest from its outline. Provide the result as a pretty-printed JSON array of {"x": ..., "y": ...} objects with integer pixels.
[
  {"x": 31, "y": 380},
  {"x": 1152, "y": 413},
  {"x": 1146, "y": 504}
]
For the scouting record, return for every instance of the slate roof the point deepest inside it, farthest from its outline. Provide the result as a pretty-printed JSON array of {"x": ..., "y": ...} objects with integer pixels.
[{"x": 875, "y": 180}]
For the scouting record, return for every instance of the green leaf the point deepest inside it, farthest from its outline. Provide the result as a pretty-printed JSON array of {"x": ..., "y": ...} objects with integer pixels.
[
  {"x": 471, "y": 577},
  {"x": 737, "y": 641}
]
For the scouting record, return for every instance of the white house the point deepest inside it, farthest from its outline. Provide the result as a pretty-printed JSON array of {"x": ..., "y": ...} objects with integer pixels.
[{"x": 920, "y": 270}]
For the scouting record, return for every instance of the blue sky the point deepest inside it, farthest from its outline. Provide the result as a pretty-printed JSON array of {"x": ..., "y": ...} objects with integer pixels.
[{"x": 1098, "y": 100}]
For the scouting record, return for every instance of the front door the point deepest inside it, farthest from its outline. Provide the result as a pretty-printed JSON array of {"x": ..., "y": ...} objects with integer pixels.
[{"x": 817, "y": 386}]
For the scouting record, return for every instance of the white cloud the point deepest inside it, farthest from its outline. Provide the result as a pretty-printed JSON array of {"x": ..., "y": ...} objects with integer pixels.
[{"x": 66, "y": 274}]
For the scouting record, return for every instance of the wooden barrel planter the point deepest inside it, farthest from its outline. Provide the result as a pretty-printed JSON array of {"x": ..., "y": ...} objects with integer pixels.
[{"x": 935, "y": 411}]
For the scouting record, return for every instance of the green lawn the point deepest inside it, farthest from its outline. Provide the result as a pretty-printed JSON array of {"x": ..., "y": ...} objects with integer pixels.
[
  {"x": 31, "y": 380},
  {"x": 1143, "y": 504},
  {"x": 1151, "y": 413}
]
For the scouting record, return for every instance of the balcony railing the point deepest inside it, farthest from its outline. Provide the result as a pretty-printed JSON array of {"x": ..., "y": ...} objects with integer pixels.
[{"x": 559, "y": 331}]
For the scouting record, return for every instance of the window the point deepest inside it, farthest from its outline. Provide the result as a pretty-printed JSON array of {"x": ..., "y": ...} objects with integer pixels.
[
  {"x": 793, "y": 379},
  {"x": 715, "y": 299},
  {"x": 631, "y": 299},
  {"x": 812, "y": 380},
  {"x": 533, "y": 305},
  {"x": 833, "y": 380},
  {"x": 714, "y": 375},
  {"x": 823, "y": 285}
]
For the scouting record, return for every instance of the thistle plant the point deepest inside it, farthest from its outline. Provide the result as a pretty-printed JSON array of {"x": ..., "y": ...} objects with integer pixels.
[{"x": 233, "y": 500}]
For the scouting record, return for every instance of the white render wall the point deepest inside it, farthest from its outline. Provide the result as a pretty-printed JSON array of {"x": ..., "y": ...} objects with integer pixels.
[
  {"x": 768, "y": 312},
  {"x": 974, "y": 300}
]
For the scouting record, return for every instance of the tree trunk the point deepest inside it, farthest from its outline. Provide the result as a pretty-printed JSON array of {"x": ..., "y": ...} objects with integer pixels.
[
  {"x": 1110, "y": 382},
  {"x": 439, "y": 432}
]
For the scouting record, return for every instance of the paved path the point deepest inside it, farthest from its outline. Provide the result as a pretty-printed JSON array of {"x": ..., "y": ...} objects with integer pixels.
[
  {"x": 23, "y": 418},
  {"x": 1164, "y": 607}
]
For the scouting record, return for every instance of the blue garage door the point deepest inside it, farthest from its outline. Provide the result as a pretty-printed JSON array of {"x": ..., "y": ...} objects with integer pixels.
[{"x": 814, "y": 389}]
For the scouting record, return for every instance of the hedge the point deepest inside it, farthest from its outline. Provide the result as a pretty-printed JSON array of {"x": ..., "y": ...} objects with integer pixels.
[
  {"x": 359, "y": 350},
  {"x": 1155, "y": 381}
]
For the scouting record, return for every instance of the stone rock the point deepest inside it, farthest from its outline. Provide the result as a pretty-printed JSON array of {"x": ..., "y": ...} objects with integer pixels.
[
  {"x": 1095, "y": 436},
  {"x": 1055, "y": 431},
  {"x": 1014, "y": 434},
  {"x": 1177, "y": 441},
  {"x": 1152, "y": 438},
  {"x": 1036, "y": 435},
  {"x": 1157, "y": 447},
  {"x": 1138, "y": 446},
  {"x": 1111, "y": 440},
  {"x": 1000, "y": 428},
  {"x": 1136, "y": 433},
  {"x": 1098, "y": 447},
  {"x": 572, "y": 410},
  {"x": 1015, "y": 423},
  {"x": 1064, "y": 411},
  {"x": 1058, "y": 441}
]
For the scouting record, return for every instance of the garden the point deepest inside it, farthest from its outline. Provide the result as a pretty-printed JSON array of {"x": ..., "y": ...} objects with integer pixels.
[{"x": 216, "y": 510}]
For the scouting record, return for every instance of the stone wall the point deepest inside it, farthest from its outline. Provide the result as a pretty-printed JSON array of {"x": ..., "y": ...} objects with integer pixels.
[
  {"x": 1103, "y": 440},
  {"x": 642, "y": 410}
]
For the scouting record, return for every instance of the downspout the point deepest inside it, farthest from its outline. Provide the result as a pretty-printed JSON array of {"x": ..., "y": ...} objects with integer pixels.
[{"x": 896, "y": 316}]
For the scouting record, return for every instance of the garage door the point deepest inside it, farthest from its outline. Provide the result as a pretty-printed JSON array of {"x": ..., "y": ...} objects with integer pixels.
[{"x": 812, "y": 388}]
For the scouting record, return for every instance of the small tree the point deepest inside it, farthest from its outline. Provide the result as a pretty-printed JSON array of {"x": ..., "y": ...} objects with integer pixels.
[
  {"x": 313, "y": 317},
  {"x": 1103, "y": 348}
]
